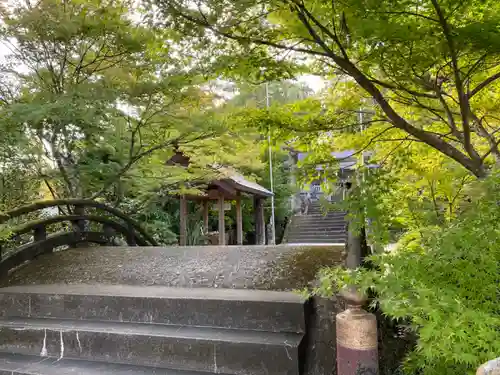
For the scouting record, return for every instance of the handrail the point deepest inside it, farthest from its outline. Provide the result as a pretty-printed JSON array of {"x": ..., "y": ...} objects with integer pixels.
[
  {"x": 39, "y": 205},
  {"x": 33, "y": 225},
  {"x": 112, "y": 223}
]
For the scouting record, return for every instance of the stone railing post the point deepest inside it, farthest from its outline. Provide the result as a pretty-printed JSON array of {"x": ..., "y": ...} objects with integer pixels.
[
  {"x": 3, "y": 271},
  {"x": 109, "y": 233},
  {"x": 357, "y": 340},
  {"x": 490, "y": 368},
  {"x": 131, "y": 240},
  {"x": 39, "y": 233},
  {"x": 79, "y": 226}
]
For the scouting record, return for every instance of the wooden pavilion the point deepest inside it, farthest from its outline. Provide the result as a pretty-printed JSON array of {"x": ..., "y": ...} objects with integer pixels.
[{"x": 230, "y": 186}]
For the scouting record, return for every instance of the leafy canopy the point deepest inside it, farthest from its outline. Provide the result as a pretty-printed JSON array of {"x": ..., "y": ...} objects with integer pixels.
[{"x": 431, "y": 67}]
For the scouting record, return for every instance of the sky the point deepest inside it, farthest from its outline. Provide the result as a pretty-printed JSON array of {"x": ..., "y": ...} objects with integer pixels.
[{"x": 314, "y": 82}]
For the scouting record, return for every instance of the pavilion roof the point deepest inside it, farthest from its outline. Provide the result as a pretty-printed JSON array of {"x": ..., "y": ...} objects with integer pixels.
[
  {"x": 229, "y": 179},
  {"x": 240, "y": 183}
]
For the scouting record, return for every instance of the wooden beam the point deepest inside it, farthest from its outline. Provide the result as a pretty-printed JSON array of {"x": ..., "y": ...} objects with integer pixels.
[
  {"x": 205, "y": 215},
  {"x": 222, "y": 224},
  {"x": 226, "y": 187},
  {"x": 213, "y": 194},
  {"x": 183, "y": 221},
  {"x": 239, "y": 221}
]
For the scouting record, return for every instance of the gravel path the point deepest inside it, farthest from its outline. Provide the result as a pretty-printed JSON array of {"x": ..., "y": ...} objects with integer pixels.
[{"x": 256, "y": 267}]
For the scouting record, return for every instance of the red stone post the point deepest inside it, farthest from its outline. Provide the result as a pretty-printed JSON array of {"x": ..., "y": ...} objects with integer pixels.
[{"x": 357, "y": 340}]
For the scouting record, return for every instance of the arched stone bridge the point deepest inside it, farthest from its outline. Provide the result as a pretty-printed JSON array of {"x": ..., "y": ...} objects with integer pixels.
[
  {"x": 78, "y": 221},
  {"x": 145, "y": 309}
]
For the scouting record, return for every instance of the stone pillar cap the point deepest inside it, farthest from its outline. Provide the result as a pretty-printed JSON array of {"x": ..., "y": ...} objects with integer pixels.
[
  {"x": 353, "y": 296},
  {"x": 490, "y": 368}
]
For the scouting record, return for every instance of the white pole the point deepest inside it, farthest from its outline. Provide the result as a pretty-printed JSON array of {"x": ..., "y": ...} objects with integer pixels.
[
  {"x": 273, "y": 221},
  {"x": 362, "y": 126}
]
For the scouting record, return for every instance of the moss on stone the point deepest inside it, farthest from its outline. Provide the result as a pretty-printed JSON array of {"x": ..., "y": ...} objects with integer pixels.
[{"x": 299, "y": 268}]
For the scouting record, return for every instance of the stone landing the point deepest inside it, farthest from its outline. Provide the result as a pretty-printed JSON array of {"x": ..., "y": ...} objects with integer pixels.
[{"x": 237, "y": 267}]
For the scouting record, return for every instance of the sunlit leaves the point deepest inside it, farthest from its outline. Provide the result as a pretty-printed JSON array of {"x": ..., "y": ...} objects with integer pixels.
[{"x": 445, "y": 282}]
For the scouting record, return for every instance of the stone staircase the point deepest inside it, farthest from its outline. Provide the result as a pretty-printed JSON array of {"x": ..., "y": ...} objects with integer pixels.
[
  {"x": 128, "y": 330},
  {"x": 317, "y": 228}
]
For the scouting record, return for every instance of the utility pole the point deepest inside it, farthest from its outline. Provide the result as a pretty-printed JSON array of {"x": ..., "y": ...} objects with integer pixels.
[{"x": 273, "y": 221}]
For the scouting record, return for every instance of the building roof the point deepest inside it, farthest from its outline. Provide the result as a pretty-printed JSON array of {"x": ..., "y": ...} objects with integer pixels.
[
  {"x": 229, "y": 180},
  {"x": 240, "y": 183},
  {"x": 347, "y": 159}
]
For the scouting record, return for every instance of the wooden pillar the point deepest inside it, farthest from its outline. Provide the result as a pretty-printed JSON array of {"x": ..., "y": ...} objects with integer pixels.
[
  {"x": 205, "y": 216},
  {"x": 183, "y": 221},
  {"x": 222, "y": 223},
  {"x": 260, "y": 230},
  {"x": 239, "y": 221}
]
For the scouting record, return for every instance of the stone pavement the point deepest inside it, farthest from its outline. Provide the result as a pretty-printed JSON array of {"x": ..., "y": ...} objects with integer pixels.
[{"x": 241, "y": 267}]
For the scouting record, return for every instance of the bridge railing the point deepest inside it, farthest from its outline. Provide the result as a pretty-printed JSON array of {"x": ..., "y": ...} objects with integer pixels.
[{"x": 31, "y": 230}]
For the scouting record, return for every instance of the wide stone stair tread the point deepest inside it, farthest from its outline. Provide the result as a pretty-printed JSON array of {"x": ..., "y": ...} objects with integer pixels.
[
  {"x": 319, "y": 219},
  {"x": 200, "y": 307},
  {"x": 320, "y": 216},
  {"x": 189, "y": 348},
  {"x": 316, "y": 234},
  {"x": 305, "y": 239},
  {"x": 154, "y": 330},
  {"x": 16, "y": 364},
  {"x": 156, "y": 292},
  {"x": 320, "y": 226},
  {"x": 312, "y": 241}
]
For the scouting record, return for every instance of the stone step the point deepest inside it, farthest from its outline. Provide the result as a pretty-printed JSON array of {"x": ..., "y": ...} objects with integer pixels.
[
  {"x": 317, "y": 235},
  {"x": 319, "y": 222},
  {"x": 318, "y": 211},
  {"x": 322, "y": 215},
  {"x": 202, "y": 349},
  {"x": 318, "y": 230},
  {"x": 226, "y": 308},
  {"x": 15, "y": 364},
  {"x": 319, "y": 226},
  {"x": 318, "y": 241},
  {"x": 306, "y": 239}
]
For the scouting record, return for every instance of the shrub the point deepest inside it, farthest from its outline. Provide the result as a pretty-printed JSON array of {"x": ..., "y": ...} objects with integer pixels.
[{"x": 446, "y": 282}]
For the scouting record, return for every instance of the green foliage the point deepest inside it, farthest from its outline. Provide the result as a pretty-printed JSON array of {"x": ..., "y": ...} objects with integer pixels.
[
  {"x": 445, "y": 280},
  {"x": 403, "y": 184},
  {"x": 431, "y": 67},
  {"x": 95, "y": 101}
]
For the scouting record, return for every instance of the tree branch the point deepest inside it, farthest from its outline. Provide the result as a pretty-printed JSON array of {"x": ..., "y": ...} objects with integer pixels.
[
  {"x": 238, "y": 38},
  {"x": 462, "y": 97},
  {"x": 483, "y": 84},
  {"x": 302, "y": 9},
  {"x": 399, "y": 88},
  {"x": 179, "y": 140}
]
